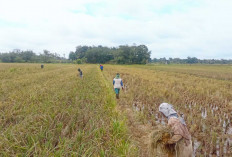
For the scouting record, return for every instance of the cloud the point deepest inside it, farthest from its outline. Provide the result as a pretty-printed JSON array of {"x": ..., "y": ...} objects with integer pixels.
[{"x": 170, "y": 28}]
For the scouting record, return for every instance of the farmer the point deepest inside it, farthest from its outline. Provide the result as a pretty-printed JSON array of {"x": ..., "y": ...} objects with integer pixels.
[
  {"x": 80, "y": 73},
  {"x": 101, "y": 67},
  {"x": 117, "y": 82},
  {"x": 181, "y": 137}
]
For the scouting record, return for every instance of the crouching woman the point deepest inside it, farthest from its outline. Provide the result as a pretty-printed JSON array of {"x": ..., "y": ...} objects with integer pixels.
[{"x": 181, "y": 137}]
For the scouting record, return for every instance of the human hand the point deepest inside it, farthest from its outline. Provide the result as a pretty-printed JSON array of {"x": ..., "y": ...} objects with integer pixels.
[{"x": 170, "y": 142}]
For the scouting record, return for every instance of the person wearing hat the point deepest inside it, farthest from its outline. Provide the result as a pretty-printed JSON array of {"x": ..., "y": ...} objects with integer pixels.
[
  {"x": 118, "y": 84},
  {"x": 181, "y": 137}
]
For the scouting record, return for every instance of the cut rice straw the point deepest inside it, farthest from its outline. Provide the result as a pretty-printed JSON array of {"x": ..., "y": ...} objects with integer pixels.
[{"x": 159, "y": 142}]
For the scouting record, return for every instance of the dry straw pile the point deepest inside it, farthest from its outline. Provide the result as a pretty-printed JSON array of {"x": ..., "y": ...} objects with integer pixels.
[{"x": 158, "y": 142}]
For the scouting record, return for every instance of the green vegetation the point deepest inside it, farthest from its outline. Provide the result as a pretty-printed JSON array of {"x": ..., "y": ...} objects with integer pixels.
[
  {"x": 29, "y": 56},
  {"x": 190, "y": 60},
  {"x": 53, "y": 112},
  {"x": 121, "y": 55},
  {"x": 84, "y": 54}
]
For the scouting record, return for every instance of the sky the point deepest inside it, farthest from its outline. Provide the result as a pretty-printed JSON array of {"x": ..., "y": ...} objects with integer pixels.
[{"x": 170, "y": 28}]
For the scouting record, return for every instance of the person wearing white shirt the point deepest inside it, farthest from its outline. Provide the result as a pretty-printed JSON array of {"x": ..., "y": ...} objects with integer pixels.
[{"x": 118, "y": 84}]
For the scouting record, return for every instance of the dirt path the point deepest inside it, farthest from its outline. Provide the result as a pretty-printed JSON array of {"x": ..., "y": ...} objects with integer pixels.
[{"x": 139, "y": 131}]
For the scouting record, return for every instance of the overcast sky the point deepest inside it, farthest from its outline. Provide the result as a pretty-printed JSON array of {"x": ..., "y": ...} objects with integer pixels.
[{"x": 170, "y": 28}]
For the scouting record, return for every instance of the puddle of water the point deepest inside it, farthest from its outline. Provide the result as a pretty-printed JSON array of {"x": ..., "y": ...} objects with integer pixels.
[
  {"x": 223, "y": 120},
  {"x": 212, "y": 111},
  {"x": 204, "y": 113},
  {"x": 229, "y": 131},
  {"x": 224, "y": 125},
  {"x": 196, "y": 145},
  {"x": 163, "y": 120},
  {"x": 137, "y": 106},
  {"x": 226, "y": 148},
  {"x": 203, "y": 127},
  {"x": 125, "y": 88},
  {"x": 189, "y": 106},
  {"x": 217, "y": 147},
  {"x": 142, "y": 108},
  {"x": 151, "y": 112},
  {"x": 157, "y": 119}
]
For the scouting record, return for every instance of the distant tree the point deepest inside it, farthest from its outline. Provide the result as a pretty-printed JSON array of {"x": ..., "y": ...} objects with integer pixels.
[
  {"x": 123, "y": 55},
  {"x": 143, "y": 54},
  {"x": 19, "y": 59},
  {"x": 72, "y": 56},
  {"x": 192, "y": 60},
  {"x": 78, "y": 61},
  {"x": 5, "y": 57},
  {"x": 81, "y": 50},
  {"x": 98, "y": 55},
  {"x": 27, "y": 56}
]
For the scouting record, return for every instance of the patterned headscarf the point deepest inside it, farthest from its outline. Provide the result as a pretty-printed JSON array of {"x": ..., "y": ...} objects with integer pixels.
[{"x": 117, "y": 76}]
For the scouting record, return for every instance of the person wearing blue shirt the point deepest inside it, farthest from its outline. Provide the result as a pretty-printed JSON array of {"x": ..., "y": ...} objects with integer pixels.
[{"x": 101, "y": 67}]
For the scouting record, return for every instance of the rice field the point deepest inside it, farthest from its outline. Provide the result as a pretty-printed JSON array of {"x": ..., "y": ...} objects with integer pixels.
[
  {"x": 221, "y": 72},
  {"x": 53, "y": 112},
  {"x": 203, "y": 97}
]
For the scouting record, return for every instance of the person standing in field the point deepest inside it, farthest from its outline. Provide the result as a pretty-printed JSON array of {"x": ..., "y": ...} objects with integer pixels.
[
  {"x": 181, "y": 137},
  {"x": 118, "y": 84},
  {"x": 80, "y": 73},
  {"x": 101, "y": 67},
  {"x": 42, "y": 66}
]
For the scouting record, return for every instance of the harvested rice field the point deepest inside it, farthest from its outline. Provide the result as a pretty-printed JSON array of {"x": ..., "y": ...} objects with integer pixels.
[{"x": 54, "y": 112}]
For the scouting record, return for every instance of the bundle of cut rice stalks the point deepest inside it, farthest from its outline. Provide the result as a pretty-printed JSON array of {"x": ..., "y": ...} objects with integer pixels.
[{"x": 158, "y": 142}]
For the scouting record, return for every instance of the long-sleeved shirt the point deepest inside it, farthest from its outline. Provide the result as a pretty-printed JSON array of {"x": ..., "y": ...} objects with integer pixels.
[
  {"x": 179, "y": 130},
  {"x": 117, "y": 83}
]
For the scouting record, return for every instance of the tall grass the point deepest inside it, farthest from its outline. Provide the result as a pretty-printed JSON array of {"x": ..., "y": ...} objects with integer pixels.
[{"x": 52, "y": 112}]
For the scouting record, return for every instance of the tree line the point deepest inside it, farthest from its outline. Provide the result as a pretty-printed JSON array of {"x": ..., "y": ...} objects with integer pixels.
[
  {"x": 190, "y": 60},
  {"x": 18, "y": 56},
  {"x": 123, "y": 54}
]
